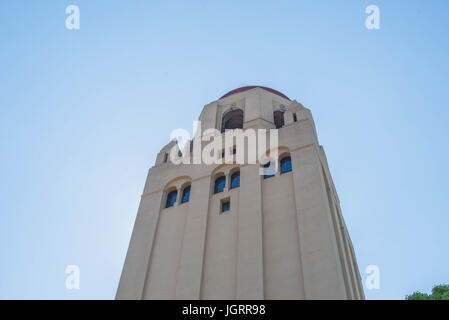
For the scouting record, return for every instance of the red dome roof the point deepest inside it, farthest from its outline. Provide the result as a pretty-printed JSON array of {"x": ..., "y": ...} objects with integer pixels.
[{"x": 242, "y": 89}]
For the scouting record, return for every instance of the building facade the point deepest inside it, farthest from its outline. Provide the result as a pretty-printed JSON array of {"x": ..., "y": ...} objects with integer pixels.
[{"x": 224, "y": 231}]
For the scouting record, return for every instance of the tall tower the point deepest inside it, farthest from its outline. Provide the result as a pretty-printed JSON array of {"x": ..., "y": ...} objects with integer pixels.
[{"x": 224, "y": 231}]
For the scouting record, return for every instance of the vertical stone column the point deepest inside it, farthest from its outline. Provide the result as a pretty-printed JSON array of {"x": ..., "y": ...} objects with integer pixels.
[
  {"x": 340, "y": 243},
  {"x": 288, "y": 117},
  {"x": 249, "y": 248},
  {"x": 252, "y": 106},
  {"x": 352, "y": 270},
  {"x": 137, "y": 260},
  {"x": 321, "y": 268},
  {"x": 190, "y": 272}
]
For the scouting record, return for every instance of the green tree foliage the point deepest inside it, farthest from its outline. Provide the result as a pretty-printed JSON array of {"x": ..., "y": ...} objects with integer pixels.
[{"x": 440, "y": 292}]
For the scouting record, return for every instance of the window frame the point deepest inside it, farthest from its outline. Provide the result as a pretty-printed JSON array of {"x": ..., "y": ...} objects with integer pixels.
[
  {"x": 189, "y": 188},
  {"x": 172, "y": 201},
  {"x": 225, "y": 205},
  {"x": 281, "y": 112},
  {"x": 290, "y": 168},
  {"x": 223, "y": 178},
  {"x": 232, "y": 176},
  {"x": 226, "y": 117}
]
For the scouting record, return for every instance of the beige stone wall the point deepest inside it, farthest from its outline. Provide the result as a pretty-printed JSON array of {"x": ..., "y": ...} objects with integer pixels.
[
  {"x": 282, "y": 261},
  {"x": 220, "y": 256},
  {"x": 283, "y": 238}
]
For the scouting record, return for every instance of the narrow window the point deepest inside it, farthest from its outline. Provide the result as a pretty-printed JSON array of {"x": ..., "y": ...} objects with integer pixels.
[
  {"x": 166, "y": 157},
  {"x": 235, "y": 180},
  {"x": 269, "y": 170},
  {"x": 185, "y": 195},
  {"x": 286, "y": 165},
  {"x": 171, "y": 199},
  {"x": 294, "y": 117},
  {"x": 220, "y": 184},
  {"x": 278, "y": 119},
  {"x": 225, "y": 205}
]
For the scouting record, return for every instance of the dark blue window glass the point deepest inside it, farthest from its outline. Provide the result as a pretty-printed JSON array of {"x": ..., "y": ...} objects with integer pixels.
[
  {"x": 235, "y": 180},
  {"x": 185, "y": 195},
  {"x": 286, "y": 165},
  {"x": 225, "y": 206},
  {"x": 171, "y": 199},
  {"x": 220, "y": 184},
  {"x": 269, "y": 170}
]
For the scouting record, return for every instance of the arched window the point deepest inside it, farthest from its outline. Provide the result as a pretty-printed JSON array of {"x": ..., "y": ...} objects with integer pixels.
[
  {"x": 269, "y": 170},
  {"x": 171, "y": 199},
  {"x": 286, "y": 165},
  {"x": 278, "y": 119},
  {"x": 232, "y": 119},
  {"x": 185, "y": 195},
  {"x": 220, "y": 184},
  {"x": 235, "y": 180}
]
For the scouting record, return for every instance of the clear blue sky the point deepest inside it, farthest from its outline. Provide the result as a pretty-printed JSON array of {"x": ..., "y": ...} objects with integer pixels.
[{"x": 84, "y": 113}]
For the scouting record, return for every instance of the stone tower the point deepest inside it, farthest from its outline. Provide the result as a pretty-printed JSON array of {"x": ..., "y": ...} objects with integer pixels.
[{"x": 224, "y": 231}]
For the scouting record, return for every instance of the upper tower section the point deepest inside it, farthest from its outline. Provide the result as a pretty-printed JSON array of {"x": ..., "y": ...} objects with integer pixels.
[{"x": 252, "y": 107}]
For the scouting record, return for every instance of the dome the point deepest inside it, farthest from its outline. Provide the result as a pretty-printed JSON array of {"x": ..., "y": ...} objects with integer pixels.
[{"x": 242, "y": 89}]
